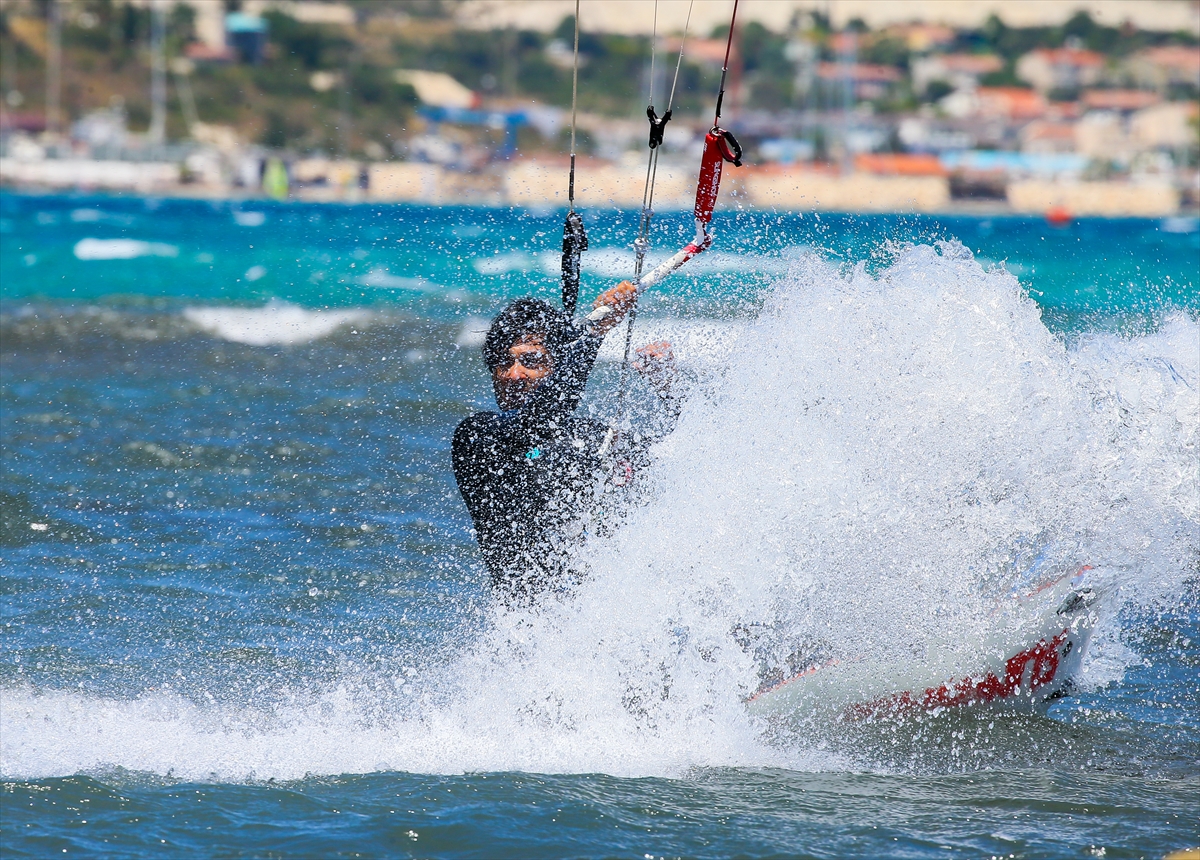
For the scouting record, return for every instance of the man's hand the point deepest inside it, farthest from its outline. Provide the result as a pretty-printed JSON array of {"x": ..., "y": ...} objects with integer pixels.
[
  {"x": 656, "y": 361},
  {"x": 618, "y": 300}
]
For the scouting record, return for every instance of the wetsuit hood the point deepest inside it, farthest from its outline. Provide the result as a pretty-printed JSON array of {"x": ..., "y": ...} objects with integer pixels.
[{"x": 527, "y": 316}]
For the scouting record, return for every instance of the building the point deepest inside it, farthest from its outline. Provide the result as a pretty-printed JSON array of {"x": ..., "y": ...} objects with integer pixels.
[
  {"x": 1122, "y": 101},
  {"x": 899, "y": 164},
  {"x": 960, "y": 71},
  {"x": 1011, "y": 103},
  {"x": 210, "y": 26},
  {"x": 1048, "y": 137},
  {"x": 1103, "y": 135},
  {"x": 1060, "y": 68},
  {"x": 870, "y": 81},
  {"x": 709, "y": 52},
  {"x": 438, "y": 89},
  {"x": 246, "y": 35},
  {"x": 1161, "y": 67},
  {"x": 305, "y": 11},
  {"x": 1166, "y": 126}
]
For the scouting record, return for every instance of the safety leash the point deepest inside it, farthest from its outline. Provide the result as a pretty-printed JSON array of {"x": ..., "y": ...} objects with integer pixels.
[
  {"x": 574, "y": 236},
  {"x": 719, "y": 146}
]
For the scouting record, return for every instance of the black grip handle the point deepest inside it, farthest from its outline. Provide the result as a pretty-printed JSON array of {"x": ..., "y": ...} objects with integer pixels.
[
  {"x": 574, "y": 244},
  {"x": 731, "y": 150},
  {"x": 657, "y": 126}
]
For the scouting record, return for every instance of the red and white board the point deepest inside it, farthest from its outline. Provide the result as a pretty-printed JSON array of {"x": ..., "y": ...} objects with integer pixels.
[{"x": 1030, "y": 655}]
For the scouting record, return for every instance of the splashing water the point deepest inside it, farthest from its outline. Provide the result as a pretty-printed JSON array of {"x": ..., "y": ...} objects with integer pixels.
[{"x": 881, "y": 457}]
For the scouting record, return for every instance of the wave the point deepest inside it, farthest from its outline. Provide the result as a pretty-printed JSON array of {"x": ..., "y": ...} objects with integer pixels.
[
  {"x": 50, "y": 733},
  {"x": 380, "y": 278},
  {"x": 93, "y": 216},
  {"x": 249, "y": 218},
  {"x": 876, "y": 458},
  {"x": 122, "y": 249},
  {"x": 276, "y": 323},
  {"x": 694, "y": 342}
]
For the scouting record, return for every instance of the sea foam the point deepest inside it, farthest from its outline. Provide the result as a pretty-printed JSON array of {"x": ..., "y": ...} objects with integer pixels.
[
  {"x": 122, "y": 249},
  {"x": 274, "y": 323}
]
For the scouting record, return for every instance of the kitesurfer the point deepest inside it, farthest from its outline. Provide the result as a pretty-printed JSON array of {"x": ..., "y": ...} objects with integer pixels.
[{"x": 533, "y": 474}]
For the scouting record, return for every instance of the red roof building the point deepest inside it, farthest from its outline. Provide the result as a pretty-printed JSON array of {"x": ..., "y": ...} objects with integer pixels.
[
  {"x": 899, "y": 164},
  {"x": 870, "y": 81},
  {"x": 1011, "y": 102},
  {"x": 710, "y": 51},
  {"x": 1048, "y": 136},
  {"x": 1125, "y": 101}
]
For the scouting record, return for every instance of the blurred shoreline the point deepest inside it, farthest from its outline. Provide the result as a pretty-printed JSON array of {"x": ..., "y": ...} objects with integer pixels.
[
  {"x": 536, "y": 185},
  {"x": 1061, "y": 109}
]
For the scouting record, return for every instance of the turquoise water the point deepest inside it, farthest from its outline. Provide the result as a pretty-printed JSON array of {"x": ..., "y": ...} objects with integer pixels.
[{"x": 244, "y": 614}]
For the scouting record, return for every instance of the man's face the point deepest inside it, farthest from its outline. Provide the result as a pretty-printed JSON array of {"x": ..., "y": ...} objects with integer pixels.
[{"x": 528, "y": 362}]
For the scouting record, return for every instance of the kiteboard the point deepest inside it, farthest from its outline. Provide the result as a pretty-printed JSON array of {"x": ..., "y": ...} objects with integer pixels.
[{"x": 1031, "y": 656}]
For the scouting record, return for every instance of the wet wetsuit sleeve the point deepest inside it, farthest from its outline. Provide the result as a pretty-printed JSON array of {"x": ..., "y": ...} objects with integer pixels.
[{"x": 479, "y": 452}]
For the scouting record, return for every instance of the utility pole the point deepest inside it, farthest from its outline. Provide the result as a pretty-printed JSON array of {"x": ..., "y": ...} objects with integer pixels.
[
  {"x": 848, "y": 60},
  {"x": 344, "y": 111},
  {"x": 183, "y": 67},
  {"x": 158, "y": 77},
  {"x": 508, "y": 71},
  {"x": 53, "y": 69}
]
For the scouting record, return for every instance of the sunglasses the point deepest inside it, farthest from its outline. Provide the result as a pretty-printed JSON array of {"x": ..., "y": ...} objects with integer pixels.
[{"x": 531, "y": 360}]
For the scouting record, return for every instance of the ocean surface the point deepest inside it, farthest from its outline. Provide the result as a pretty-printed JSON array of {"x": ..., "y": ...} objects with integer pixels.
[{"x": 244, "y": 614}]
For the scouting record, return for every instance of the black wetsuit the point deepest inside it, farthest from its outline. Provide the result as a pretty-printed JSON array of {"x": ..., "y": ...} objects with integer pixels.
[
  {"x": 533, "y": 477},
  {"x": 529, "y": 474}
]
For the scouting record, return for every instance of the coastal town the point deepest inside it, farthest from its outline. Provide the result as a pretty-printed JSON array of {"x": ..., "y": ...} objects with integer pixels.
[{"x": 468, "y": 102}]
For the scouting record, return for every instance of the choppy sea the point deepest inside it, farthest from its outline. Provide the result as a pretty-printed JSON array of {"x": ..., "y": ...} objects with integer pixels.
[{"x": 244, "y": 615}]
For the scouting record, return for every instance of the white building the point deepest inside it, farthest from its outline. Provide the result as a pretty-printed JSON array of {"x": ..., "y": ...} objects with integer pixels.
[
  {"x": 1060, "y": 68},
  {"x": 960, "y": 71}
]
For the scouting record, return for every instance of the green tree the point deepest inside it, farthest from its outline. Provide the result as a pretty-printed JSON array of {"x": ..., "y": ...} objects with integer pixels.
[
  {"x": 315, "y": 46},
  {"x": 935, "y": 91}
]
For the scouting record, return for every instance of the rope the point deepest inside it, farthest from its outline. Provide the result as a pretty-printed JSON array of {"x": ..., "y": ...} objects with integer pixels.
[
  {"x": 653, "y": 52},
  {"x": 648, "y": 194},
  {"x": 725, "y": 67},
  {"x": 574, "y": 236},
  {"x": 575, "y": 107},
  {"x": 642, "y": 243}
]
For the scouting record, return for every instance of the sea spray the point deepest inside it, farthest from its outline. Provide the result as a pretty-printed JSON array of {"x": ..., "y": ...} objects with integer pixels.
[
  {"x": 881, "y": 459},
  {"x": 880, "y": 454}
]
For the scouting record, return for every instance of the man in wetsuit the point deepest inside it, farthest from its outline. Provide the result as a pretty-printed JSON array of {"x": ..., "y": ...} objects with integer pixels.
[{"x": 532, "y": 473}]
